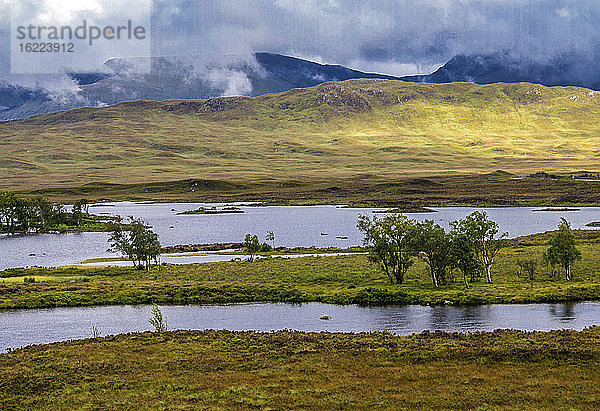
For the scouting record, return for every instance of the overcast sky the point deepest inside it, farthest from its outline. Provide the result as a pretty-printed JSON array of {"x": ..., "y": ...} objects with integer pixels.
[
  {"x": 395, "y": 36},
  {"x": 392, "y": 36}
]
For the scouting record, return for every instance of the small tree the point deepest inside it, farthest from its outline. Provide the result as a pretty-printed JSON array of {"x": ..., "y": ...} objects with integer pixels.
[
  {"x": 42, "y": 211},
  {"x": 562, "y": 249},
  {"x": 270, "y": 237},
  {"x": 433, "y": 246},
  {"x": 157, "y": 321},
  {"x": 80, "y": 208},
  {"x": 464, "y": 256},
  {"x": 388, "y": 242},
  {"x": 252, "y": 246},
  {"x": 527, "y": 268},
  {"x": 120, "y": 242},
  {"x": 483, "y": 233},
  {"x": 550, "y": 266}
]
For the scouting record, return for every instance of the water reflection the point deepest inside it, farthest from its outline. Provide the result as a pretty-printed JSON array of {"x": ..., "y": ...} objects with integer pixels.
[
  {"x": 24, "y": 327},
  {"x": 564, "y": 312}
]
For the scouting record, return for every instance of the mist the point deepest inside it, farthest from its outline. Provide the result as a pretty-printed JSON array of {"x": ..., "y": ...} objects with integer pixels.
[{"x": 396, "y": 37}]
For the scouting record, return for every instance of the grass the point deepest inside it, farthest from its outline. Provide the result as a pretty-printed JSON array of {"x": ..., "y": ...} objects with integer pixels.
[
  {"x": 196, "y": 250},
  {"x": 340, "y": 280},
  {"x": 331, "y": 135},
  {"x": 38, "y": 278},
  {"x": 408, "y": 194},
  {"x": 284, "y": 370}
]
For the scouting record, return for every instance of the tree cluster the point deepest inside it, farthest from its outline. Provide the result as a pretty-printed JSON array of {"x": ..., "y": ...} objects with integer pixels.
[
  {"x": 395, "y": 241},
  {"x": 471, "y": 247},
  {"x": 37, "y": 214},
  {"x": 135, "y": 241}
]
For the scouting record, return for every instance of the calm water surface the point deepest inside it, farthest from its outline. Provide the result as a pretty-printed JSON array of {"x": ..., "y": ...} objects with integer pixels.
[
  {"x": 293, "y": 226},
  {"x": 24, "y": 327}
]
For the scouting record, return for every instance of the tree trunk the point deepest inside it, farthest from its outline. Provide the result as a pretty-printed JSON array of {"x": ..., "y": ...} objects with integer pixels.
[
  {"x": 488, "y": 271},
  {"x": 568, "y": 271},
  {"x": 436, "y": 283},
  {"x": 465, "y": 279}
]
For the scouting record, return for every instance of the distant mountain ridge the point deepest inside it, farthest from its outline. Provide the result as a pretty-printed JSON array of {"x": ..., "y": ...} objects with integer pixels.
[
  {"x": 177, "y": 78},
  {"x": 256, "y": 74},
  {"x": 563, "y": 70}
]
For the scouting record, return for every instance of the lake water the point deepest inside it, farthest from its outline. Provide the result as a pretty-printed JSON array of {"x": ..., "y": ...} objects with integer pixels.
[
  {"x": 292, "y": 226},
  {"x": 19, "y": 328}
]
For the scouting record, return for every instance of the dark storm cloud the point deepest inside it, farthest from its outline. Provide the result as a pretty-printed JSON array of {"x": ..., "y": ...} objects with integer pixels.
[
  {"x": 399, "y": 33},
  {"x": 396, "y": 36}
]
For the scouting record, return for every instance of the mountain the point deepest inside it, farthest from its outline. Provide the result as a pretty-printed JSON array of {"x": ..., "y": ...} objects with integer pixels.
[
  {"x": 193, "y": 77},
  {"x": 176, "y": 78},
  {"x": 568, "y": 69},
  {"x": 355, "y": 130}
]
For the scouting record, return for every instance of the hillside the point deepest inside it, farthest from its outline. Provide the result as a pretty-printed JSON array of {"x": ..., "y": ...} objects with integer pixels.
[
  {"x": 368, "y": 130},
  {"x": 173, "y": 77}
]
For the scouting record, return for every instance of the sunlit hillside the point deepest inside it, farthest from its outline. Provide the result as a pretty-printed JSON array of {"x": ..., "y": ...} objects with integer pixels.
[{"x": 369, "y": 129}]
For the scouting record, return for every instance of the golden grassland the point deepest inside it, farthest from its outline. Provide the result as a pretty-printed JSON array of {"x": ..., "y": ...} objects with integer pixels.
[
  {"x": 289, "y": 370},
  {"x": 358, "y": 130}
]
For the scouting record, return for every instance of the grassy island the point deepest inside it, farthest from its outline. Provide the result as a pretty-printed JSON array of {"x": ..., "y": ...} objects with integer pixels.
[{"x": 350, "y": 279}]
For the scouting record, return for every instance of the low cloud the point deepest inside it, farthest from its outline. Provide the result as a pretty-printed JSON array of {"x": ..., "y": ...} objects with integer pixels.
[{"x": 399, "y": 37}]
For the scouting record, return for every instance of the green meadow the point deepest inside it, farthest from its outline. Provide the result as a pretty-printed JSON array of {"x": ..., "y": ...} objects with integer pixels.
[{"x": 285, "y": 370}]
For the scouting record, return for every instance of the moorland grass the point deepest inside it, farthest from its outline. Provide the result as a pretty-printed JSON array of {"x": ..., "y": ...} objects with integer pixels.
[
  {"x": 358, "y": 130},
  {"x": 284, "y": 370},
  {"x": 405, "y": 193}
]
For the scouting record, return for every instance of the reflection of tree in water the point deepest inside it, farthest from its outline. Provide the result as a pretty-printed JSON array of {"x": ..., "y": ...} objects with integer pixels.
[
  {"x": 402, "y": 319},
  {"x": 439, "y": 318},
  {"x": 460, "y": 318},
  {"x": 563, "y": 312},
  {"x": 478, "y": 316}
]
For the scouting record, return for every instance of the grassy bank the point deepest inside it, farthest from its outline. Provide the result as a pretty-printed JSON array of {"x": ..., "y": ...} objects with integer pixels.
[
  {"x": 227, "y": 370},
  {"x": 339, "y": 280}
]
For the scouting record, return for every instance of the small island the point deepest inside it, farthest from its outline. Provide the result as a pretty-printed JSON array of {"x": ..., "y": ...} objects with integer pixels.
[
  {"x": 213, "y": 210},
  {"x": 37, "y": 215},
  {"x": 558, "y": 209},
  {"x": 414, "y": 209},
  {"x": 593, "y": 224}
]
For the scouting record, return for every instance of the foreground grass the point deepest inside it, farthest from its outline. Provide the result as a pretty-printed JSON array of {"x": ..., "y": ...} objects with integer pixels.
[
  {"x": 348, "y": 279},
  {"x": 241, "y": 370}
]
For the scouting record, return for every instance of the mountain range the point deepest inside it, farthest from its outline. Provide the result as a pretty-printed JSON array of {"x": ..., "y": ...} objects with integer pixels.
[
  {"x": 568, "y": 69},
  {"x": 263, "y": 73},
  {"x": 174, "y": 78}
]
